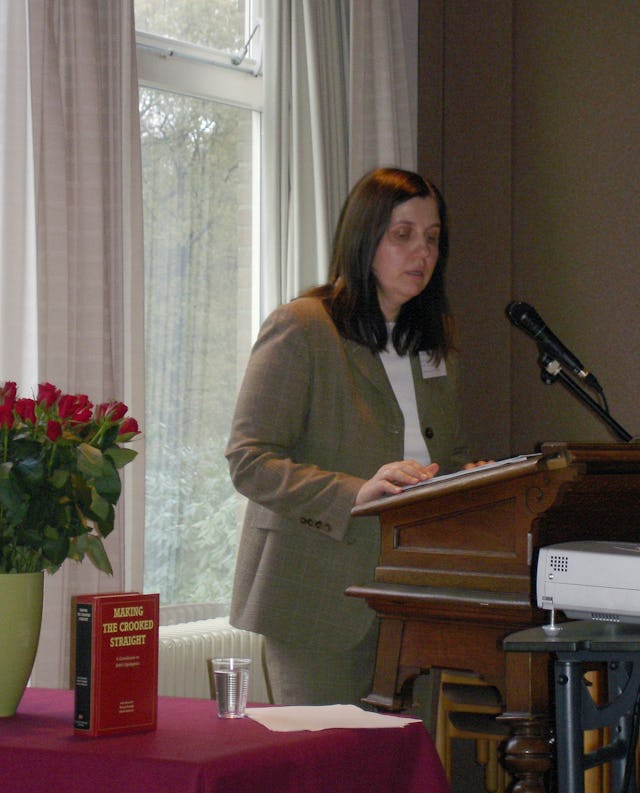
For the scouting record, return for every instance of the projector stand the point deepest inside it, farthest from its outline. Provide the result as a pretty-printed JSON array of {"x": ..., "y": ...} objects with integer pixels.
[{"x": 579, "y": 647}]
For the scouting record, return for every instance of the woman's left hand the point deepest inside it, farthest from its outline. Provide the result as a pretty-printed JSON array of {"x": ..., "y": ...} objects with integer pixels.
[{"x": 392, "y": 477}]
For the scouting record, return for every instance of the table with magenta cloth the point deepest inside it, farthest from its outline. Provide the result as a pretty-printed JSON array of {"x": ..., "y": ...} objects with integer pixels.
[{"x": 193, "y": 751}]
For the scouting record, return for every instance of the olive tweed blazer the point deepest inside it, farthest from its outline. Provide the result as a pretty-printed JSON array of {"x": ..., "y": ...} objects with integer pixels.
[{"x": 316, "y": 416}]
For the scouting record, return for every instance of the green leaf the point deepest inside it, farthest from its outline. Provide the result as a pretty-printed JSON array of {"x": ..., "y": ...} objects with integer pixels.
[
  {"x": 59, "y": 478},
  {"x": 90, "y": 460},
  {"x": 93, "y": 547},
  {"x": 106, "y": 525},
  {"x": 13, "y": 501},
  {"x": 109, "y": 486},
  {"x": 30, "y": 470},
  {"x": 99, "y": 506},
  {"x": 120, "y": 456},
  {"x": 55, "y": 548}
]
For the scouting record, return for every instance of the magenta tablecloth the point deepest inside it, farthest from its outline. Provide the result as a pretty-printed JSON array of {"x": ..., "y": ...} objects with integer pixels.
[{"x": 193, "y": 751}]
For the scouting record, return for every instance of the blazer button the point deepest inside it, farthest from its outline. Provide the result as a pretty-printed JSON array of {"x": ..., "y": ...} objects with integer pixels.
[{"x": 428, "y": 432}]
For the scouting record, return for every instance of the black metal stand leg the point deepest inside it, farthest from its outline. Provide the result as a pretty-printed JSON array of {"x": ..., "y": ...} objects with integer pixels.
[
  {"x": 619, "y": 678},
  {"x": 576, "y": 712},
  {"x": 570, "y": 745}
]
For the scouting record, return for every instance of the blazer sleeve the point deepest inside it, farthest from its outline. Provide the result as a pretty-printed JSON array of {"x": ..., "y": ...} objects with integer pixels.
[{"x": 270, "y": 428}]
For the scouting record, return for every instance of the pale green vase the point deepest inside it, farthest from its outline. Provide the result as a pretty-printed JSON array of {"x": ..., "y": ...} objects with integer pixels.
[{"x": 20, "y": 619}]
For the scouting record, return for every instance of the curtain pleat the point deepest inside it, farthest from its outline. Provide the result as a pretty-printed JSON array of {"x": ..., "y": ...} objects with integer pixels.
[
  {"x": 18, "y": 340},
  {"x": 382, "y": 120},
  {"x": 339, "y": 80},
  {"x": 304, "y": 143},
  {"x": 82, "y": 103}
]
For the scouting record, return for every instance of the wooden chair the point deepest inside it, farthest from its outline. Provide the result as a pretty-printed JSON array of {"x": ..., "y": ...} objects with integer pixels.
[{"x": 458, "y": 704}]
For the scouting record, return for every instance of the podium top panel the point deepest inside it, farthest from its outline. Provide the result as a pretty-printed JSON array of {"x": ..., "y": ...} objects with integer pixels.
[
  {"x": 587, "y": 457},
  {"x": 490, "y": 473}
]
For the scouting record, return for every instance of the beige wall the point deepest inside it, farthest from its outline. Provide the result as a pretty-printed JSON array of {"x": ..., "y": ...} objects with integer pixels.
[{"x": 529, "y": 118}]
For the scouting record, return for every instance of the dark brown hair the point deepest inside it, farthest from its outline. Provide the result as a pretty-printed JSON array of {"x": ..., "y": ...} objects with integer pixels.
[{"x": 350, "y": 295}]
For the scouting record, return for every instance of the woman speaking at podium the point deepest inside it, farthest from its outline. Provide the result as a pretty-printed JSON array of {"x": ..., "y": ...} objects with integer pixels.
[{"x": 350, "y": 394}]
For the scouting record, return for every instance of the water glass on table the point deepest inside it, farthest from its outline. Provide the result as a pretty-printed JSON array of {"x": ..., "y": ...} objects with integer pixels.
[{"x": 231, "y": 684}]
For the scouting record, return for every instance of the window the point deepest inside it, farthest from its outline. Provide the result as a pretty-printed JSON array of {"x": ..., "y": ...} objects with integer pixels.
[{"x": 200, "y": 104}]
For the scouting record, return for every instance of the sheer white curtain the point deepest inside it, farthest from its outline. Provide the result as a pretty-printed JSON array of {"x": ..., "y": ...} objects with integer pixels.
[
  {"x": 88, "y": 206},
  {"x": 339, "y": 100}
]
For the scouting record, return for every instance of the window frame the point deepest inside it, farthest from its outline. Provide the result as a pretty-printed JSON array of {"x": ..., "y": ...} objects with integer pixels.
[{"x": 203, "y": 73}]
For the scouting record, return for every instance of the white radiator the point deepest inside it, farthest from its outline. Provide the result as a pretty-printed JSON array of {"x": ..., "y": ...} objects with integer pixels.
[{"x": 186, "y": 647}]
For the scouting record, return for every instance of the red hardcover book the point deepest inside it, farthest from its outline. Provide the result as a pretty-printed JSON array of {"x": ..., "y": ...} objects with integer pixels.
[{"x": 116, "y": 669}]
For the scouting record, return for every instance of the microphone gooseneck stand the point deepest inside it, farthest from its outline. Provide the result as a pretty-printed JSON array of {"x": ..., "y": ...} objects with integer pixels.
[{"x": 552, "y": 371}]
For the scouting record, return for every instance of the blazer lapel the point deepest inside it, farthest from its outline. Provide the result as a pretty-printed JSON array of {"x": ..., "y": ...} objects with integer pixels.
[{"x": 370, "y": 366}]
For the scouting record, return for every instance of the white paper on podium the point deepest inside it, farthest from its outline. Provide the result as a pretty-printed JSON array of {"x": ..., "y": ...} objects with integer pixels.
[{"x": 521, "y": 458}]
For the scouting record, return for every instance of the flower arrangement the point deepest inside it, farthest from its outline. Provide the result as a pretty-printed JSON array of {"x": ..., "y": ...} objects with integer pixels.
[{"x": 59, "y": 477}]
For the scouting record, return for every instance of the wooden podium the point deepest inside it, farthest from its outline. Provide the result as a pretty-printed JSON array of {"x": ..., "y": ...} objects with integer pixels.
[{"x": 455, "y": 576}]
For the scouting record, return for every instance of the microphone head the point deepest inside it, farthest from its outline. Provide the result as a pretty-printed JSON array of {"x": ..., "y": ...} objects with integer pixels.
[{"x": 526, "y": 317}]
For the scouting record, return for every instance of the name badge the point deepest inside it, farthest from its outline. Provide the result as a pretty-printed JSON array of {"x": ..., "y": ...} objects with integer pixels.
[{"x": 429, "y": 368}]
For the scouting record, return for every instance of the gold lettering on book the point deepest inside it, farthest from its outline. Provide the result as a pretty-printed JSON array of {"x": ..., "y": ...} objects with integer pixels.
[
  {"x": 128, "y": 631},
  {"x": 128, "y": 611},
  {"x": 128, "y": 641}
]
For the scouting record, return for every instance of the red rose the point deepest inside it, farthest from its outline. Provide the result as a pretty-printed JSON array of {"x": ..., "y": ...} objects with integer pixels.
[
  {"x": 76, "y": 408},
  {"x": 66, "y": 405},
  {"x": 84, "y": 410},
  {"x": 6, "y": 417},
  {"x": 129, "y": 425},
  {"x": 54, "y": 430},
  {"x": 117, "y": 411},
  {"x": 26, "y": 409},
  {"x": 48, "y": 394},
  {"x": 112, "y": 411},
  {"x": 9, "y": 392}
]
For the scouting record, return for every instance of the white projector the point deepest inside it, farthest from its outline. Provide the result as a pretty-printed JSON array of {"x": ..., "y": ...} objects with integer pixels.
[{"x": 591, "y": 580}]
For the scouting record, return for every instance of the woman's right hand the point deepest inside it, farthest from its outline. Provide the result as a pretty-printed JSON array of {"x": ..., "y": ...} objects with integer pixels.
[{"x": 392, "y": 477}]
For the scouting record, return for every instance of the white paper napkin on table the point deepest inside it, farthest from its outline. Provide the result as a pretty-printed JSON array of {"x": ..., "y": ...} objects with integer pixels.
[{"x": 323, "y": 717}]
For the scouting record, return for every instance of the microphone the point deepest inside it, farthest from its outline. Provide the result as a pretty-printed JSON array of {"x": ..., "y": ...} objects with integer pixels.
[{"x": 525, "y": 317}]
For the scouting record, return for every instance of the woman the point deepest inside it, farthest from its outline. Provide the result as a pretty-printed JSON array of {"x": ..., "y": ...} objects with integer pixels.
[{"x": 349, "y": 395}]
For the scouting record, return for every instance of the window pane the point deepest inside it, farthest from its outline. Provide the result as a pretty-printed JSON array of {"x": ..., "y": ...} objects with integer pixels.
[
  {"x": 219, "y": 24},
  {"x": 197, "y": 199}
]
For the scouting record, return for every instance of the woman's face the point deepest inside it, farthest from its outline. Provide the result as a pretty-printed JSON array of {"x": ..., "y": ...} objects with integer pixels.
[{"x": 407, "y": 254}]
